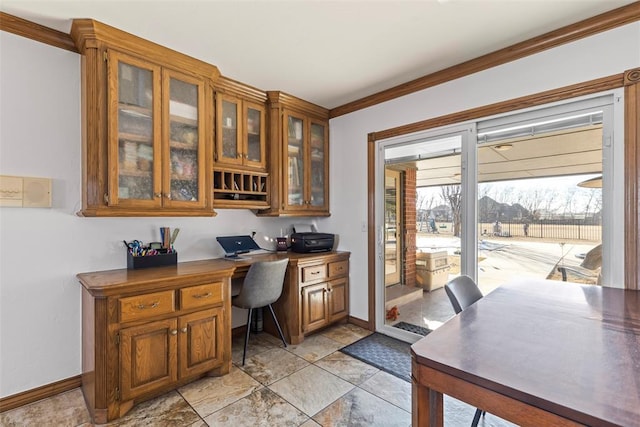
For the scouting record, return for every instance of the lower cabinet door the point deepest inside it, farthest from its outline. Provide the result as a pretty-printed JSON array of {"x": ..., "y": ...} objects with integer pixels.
[
  {"x": 148, "y": 357},
  {"x": 314, "y": 307},
  {"x": 200, "y": 341},
  {"x": 338, "y": 299}
]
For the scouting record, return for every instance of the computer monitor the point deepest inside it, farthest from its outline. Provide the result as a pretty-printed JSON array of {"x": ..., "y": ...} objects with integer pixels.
[{"x": 235, "y": 245}]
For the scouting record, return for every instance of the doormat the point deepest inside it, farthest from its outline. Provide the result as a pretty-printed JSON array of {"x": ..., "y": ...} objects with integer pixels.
[
  {"x": 388, "y": 354},
  {"x": 420, "y": 330}
]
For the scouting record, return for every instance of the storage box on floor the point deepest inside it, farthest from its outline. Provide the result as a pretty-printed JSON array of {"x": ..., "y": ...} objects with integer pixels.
[{"x": 432, "y": 269}]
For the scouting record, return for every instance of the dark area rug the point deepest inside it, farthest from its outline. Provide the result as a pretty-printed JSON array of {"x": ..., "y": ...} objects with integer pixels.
[
  {"x": 388, "y": 354},
  {"x": 420, "y": 330}
]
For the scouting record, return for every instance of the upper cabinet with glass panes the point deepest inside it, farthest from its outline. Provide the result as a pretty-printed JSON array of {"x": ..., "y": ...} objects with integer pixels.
[
  {"x": 152, "y": 158},
  {"x": 240, "y": 136},
  {"x": 302, "y": 162}
]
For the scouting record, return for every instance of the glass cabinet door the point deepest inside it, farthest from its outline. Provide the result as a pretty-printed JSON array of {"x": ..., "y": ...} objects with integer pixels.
[
  {"x": 229, "y": 130},
  {"x": 254, "y": 134},
  {"x": 184, "y": 153},
  {"x": 295, "y": 150},
  {"x": 134, "y": 132},
  {"x": 317, "y": 154}
]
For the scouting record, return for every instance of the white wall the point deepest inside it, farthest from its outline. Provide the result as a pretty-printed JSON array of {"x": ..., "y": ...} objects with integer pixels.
[
  {"x": 597, "y": 56},
  {"x": 41, "y": 250}
]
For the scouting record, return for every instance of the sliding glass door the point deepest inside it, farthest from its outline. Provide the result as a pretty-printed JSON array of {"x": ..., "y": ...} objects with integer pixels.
[
  {"x": 527, "y": 194},
  {"x": 422, "y": 229}
]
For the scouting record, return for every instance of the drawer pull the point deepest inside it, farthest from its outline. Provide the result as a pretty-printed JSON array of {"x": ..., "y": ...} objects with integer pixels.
[
  {"x": 314, "y": 272},
  {"x": 207, "y": 295},
  {"x": 152, "y": 305}
]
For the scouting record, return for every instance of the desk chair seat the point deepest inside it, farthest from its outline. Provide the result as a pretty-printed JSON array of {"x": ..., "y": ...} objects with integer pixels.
[
  {"x": 262, "y": 287},
  {"x": 462, "y": 292}
]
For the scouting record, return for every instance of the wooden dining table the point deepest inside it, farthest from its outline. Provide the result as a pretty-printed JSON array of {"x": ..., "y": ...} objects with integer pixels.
[{"x": 536, "y": 353}]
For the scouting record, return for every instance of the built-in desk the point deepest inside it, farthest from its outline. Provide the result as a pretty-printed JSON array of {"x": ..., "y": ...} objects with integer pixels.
[{"x": 148, "y": 331}]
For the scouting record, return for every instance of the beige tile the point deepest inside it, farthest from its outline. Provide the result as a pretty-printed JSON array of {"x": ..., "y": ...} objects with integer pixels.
[
  {"x": 65, "y": 409},
  {"x": 346, "y": 333},
  {"x": 359, "y": 408},
  {"x": 211, "y": 394},
  {"x": 258, "y": 343},
  {"x": 272, "y": 365},
  {"x": 261, "y": 408},
  {"x": 347, "y": 368},
  {"x": 315, "y": 347},
  {"x": 168, "y": 410},
  {"x": 310, "y": 423},
  {"x": 311, "y": 389},
  {"x": 390, "y": 388}
]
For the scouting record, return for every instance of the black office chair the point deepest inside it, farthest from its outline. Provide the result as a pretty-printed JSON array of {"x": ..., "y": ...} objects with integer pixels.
[
  {"x": 262, "y": 287},
  {"x": 462, "y": 292}
]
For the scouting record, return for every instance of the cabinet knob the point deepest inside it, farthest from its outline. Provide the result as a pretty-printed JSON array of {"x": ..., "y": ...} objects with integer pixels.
[
  {"x": 157, "y": 195},
  {"x": 184, "y": 330},
  {"x": 174, "y": 332},
  {"x": 168, "y": 196}
]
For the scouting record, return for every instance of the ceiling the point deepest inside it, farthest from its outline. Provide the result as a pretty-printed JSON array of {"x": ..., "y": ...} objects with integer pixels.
[
  {"x": 568, "y": 152},
  {"x": 326, "y": 52}
]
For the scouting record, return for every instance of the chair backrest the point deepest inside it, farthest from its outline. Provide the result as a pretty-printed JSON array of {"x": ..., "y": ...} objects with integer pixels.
[
  {"x": 263, "y": 284},
  {"x": 462, "y": 292},
  {"x": 593, "y": 258}
]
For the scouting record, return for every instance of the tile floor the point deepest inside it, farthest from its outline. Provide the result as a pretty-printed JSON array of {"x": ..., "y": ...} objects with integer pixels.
[{"x": 311, "y": 384}]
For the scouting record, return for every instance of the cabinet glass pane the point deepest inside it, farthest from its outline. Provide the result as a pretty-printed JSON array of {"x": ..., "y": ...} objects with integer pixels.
[
  {"x": 317, "y": 164},
  {"x": 183, "y": 144},
  {"x": 229, "y": 130},
  {"x": 254, "y": 146},
  {"x": 135, "y": 132},
  {"x": 295, "y": 196}
]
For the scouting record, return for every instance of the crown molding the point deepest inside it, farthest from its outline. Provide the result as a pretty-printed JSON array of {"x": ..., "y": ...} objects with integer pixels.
[
  {"x": 37, "y": 32},
  {"x": 588, "y": 27}
]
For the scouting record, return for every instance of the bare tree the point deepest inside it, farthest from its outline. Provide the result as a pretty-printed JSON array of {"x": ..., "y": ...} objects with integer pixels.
[{"x": 452, "y": 194}]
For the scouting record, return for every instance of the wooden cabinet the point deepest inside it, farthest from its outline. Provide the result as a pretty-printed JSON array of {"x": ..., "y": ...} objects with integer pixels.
[
  {"x": 240, "y": 139},
  {"x": 299, "y": 157},
  {"x": 315, "y": 295},
  {"x": 148, "y": 128},
  {"x": 148, "y": 331},
  {"x": 240, "y": 176}
]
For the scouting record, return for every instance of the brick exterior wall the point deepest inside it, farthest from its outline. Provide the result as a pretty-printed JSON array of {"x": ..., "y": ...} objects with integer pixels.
[{"x": 409, "y": 221}]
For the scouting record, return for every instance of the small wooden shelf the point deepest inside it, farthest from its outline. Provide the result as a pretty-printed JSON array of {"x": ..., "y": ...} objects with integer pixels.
[{"x": 233, "y": 188}]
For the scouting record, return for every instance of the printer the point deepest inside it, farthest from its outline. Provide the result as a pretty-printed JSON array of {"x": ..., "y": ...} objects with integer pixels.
[{"x": 310, "y": 241}]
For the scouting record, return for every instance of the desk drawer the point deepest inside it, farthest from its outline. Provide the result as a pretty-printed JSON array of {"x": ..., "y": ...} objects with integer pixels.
[
  {"x": 338, "y": 268},
  {"x": 146, "y": 306},
  {"x": 200, "y": 296},
  {"x": 316, "y": 272}
]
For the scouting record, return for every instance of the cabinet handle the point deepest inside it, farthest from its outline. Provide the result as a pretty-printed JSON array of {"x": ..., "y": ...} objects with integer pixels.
[
  {"x": 152, "y": 305},
  {"x": 168, "y": 196},
  {"x": 184, "y": 330},
  {"x": 157, "y": 195},
  {"x": 174, "y": 332},
  {"x": 207, "y": 295}
]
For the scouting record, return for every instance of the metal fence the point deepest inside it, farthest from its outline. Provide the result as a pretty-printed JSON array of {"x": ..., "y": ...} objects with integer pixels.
[{"x": 545, "y": 229}]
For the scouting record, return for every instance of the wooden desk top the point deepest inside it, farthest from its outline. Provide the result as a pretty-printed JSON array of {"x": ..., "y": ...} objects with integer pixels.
[
  {"x": 569, "y": 349},
  {"x": 111, "y": 282}
]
